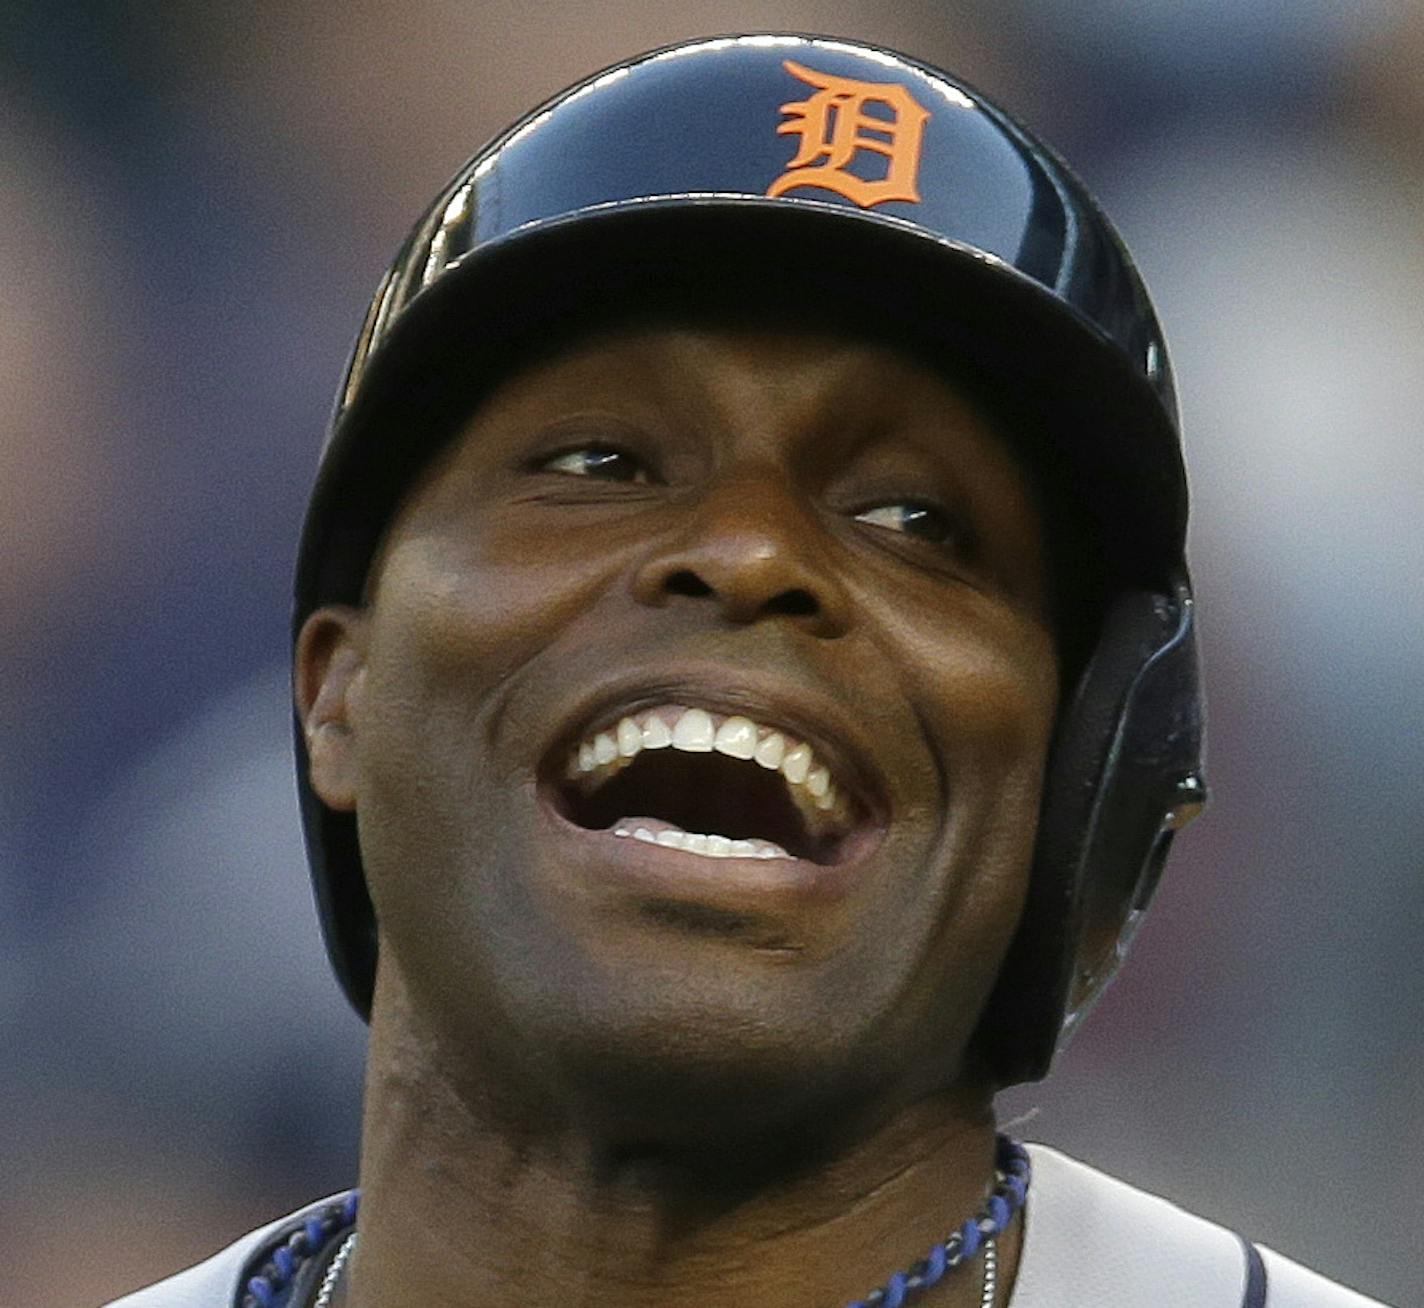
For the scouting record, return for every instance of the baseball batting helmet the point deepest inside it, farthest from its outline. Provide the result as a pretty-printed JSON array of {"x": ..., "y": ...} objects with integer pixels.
[{"x": 774, "y": 170}]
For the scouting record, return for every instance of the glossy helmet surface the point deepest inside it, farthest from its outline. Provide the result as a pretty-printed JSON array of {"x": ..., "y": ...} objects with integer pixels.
[{"x": 795, "y": 170}]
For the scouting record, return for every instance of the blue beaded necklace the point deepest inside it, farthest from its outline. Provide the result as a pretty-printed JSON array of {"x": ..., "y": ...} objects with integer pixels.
[
  {"x": 1007, "y": 1197},
  {"x": 268, "y": 1289}
]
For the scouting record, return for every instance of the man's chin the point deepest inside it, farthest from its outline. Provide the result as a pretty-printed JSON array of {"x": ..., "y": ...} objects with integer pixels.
[{"x": 697, "y": 1083}]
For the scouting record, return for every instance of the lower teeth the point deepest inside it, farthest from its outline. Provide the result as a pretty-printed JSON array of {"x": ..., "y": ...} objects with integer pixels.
[{"x": 708, "y": 846}]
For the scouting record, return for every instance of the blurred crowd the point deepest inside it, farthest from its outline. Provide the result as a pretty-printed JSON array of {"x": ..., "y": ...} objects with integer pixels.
[{"x": 196, "y": 201}]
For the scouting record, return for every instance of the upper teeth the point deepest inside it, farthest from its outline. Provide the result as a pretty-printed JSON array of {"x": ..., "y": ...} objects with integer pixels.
[{"x": 696, "y": 731}]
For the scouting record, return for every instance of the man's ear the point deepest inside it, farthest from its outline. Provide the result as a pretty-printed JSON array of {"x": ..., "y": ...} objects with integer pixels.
[{"x": 329, "y": 668}]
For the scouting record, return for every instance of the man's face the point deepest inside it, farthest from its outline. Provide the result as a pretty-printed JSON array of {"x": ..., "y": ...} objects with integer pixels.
[{"x": 643, "y": 560}]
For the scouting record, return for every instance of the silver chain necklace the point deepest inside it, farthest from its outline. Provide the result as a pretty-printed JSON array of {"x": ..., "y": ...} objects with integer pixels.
[
  {"x": 987, "y": 1299},
  {"x": 991, "y": 1276},
  {"x": 333, "y": 1273}
]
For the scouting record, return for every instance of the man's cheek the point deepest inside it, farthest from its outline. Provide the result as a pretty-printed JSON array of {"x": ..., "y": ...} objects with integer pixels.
[{"x": 480, "y": 625}]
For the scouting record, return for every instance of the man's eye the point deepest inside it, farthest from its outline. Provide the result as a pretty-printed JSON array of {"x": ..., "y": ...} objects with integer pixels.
[
  {"x": 922, "y": 521},
  {"x": 598, "y": 461}
]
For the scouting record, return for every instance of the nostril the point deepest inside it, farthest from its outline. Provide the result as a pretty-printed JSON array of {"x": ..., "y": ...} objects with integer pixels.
[
  {"x": 686, "y": 582},
  {"x": 795, "y": 603}
]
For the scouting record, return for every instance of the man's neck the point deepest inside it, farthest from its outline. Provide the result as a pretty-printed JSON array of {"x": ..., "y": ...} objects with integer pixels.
[{"x": 458, "y": 1212}]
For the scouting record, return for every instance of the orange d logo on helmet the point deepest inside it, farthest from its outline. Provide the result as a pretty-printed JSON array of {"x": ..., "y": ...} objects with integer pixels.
[{"x": 834, "y": 126}]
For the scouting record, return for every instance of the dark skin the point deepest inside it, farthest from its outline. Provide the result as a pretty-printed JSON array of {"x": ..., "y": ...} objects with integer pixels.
[{"x": 606, "y": 1072}]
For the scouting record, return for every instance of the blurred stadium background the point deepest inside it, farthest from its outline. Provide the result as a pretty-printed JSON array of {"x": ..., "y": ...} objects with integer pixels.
[{"x": 195, "y": 202}]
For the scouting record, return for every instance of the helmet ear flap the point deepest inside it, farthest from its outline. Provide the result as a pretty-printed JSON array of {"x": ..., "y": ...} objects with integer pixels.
[
  {"x": 348, "y": 920},
  {"x": 1123, "y": 776}
]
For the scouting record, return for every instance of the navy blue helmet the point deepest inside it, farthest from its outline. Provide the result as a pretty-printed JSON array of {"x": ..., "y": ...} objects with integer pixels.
[{"x": 874, "y": 193}]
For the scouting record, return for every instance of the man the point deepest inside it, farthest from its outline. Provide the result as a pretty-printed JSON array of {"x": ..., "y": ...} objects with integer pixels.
[{"x": 746, "y": 690}]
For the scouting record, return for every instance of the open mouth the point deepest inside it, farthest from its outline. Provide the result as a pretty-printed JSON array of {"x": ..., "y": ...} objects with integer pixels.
[{"x": 716, "y": 785}]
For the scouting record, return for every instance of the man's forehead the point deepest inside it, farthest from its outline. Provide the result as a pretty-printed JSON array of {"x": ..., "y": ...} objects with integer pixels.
[{"x": 669, "y": 349}]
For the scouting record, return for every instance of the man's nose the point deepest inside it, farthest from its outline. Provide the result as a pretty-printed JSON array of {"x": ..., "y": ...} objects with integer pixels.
[{"x": 756, "y": 550}]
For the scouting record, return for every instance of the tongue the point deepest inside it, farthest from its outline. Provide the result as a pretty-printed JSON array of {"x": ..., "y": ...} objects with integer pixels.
[{"x": 655, "y": 831}]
